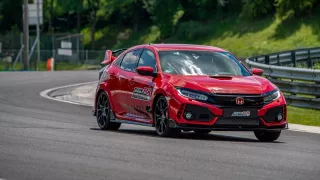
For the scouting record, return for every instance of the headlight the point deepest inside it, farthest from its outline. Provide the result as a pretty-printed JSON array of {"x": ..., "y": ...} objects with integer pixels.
[
  {"x": 192, "y": 95},
  {"x": 271, "y": 97}
]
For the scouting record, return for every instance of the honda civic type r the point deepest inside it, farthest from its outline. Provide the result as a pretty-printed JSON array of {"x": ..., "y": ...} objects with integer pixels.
[{"x": 175, "y": 87}]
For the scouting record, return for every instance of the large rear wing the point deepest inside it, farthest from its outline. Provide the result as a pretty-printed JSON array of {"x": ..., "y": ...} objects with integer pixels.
[{"x": 110, "y": 56}]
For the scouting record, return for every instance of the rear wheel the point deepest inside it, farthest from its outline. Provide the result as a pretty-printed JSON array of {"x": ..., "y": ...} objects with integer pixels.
[
  {"x": 201, "y": 131},
  {"x": 103, "y": 113},
  {"x": 161, "y": 118},
  {"x": 267, "y": 136}
]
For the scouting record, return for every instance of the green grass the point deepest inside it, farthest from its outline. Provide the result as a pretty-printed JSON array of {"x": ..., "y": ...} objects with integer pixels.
[
  {"x": 303, "y": 116},
  {"x": 241, "y": 37},
  {"x": 316, "y": 65},
  {"x": 59, "y": 67}
]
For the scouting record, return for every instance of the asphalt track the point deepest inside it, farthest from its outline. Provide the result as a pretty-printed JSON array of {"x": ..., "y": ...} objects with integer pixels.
[{"x": 45, "y": 139}]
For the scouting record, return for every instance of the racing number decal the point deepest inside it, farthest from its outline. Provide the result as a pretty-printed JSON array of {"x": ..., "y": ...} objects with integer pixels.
[{"x": 142, "y": 93}]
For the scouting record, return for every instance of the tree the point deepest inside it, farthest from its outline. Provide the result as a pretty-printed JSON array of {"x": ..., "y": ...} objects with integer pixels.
[
  {"x": 132, "y": 12},
  {"x": 8, "y": 19},
  {"x": 95, "y": 11},
  {"x": 287, "y": 9},
  {"x": 51, "y": 15},
  {"x": 165, "y": 14},
  {"x": 253, "y": 9},
  {"x": 79, "y": 9}
]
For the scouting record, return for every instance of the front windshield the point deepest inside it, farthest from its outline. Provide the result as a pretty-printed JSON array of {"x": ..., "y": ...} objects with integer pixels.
[{"x": 201, "y": 63}]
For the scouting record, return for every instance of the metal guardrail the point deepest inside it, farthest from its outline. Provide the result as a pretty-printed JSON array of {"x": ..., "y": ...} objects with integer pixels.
[
  {"x": 290, "y": 58},
  {"x": 301, "y": 86}
]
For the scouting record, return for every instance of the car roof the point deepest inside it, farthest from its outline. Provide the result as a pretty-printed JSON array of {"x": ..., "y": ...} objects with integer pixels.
[{"x": 163, "y": 47}]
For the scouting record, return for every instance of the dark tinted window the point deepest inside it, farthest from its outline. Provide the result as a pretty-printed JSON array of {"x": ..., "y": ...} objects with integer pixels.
[
  {"x": 201, "y": 63},
  {"x": 148, "y": 59},
  {"x": 129, "y": 62},
  {"x": 118, "y": 61}
]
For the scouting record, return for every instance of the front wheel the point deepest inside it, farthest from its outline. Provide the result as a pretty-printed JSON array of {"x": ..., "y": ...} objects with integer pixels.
[
  {"x": 161, "y": 118},
  {"x": 103, "y": 113},
  {"x": 267, "y": 136}
]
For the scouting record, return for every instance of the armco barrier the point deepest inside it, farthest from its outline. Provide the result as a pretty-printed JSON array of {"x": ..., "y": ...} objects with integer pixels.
[
  {"x": 301, "y": 86},
  {"x": 290, "y": 58}
]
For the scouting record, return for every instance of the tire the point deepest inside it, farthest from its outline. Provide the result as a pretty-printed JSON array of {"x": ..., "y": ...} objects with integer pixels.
[
  {"x": 201, "y": 131},
  {"x": 267, "y": 136},
  {"x": 103, "y": 113},
  {"x": 161, "y": 118}
]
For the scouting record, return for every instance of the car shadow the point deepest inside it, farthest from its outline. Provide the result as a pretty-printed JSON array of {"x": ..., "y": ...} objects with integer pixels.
[{"x": 188, "y": 135}]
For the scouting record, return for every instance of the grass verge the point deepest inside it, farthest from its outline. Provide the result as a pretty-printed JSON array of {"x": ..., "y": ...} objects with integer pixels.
[
  {"x": 59, "y": 67},
  {"x": 303, "y": 116},
  {"x": 241, "y": 37}
]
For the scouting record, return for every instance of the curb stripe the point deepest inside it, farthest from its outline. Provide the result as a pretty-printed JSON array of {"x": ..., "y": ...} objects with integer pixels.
[{"x": 46, "y": 93}]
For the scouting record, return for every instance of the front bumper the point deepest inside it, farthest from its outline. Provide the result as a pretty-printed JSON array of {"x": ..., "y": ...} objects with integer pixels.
[
  {"x": 213, "y": 117},
  {"x": 173, "y": 124}
]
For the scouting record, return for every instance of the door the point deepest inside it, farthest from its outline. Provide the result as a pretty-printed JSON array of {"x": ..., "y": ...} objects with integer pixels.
[
  {"x": 142, "y": 88},
  {"x": 114, "y": 85},
  {"x": 128, "y": 67}
]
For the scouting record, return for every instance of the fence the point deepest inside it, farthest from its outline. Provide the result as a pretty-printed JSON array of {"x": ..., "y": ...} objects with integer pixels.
[
  {"x": 290, "y": 58},
  {"x": 52, "y": 46},
  {"x": 300, "y": 86},
  {"x": 84, "y": 59}
]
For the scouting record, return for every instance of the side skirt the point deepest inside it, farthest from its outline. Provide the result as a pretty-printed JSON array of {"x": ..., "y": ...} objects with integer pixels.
[
  {"x": 130, "y": 122},
  {"x": 114, "y": 119}
]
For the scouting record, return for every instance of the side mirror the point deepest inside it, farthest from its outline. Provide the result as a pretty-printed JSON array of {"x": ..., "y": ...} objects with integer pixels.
[
  {"x": 108, "y": 58},
  {"x": 146, "y": 71},
  {"x": 257, "y": 71}
]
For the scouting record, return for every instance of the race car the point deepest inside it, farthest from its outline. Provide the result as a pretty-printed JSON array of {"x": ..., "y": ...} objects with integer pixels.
[{"x": 184, "y": 87}]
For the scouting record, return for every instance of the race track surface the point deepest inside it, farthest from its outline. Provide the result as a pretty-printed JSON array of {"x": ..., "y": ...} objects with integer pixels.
[{"x": 45, "y": 139}]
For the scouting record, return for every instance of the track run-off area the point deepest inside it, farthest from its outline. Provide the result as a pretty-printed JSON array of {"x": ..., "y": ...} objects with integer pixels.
[{"x": 45, "y": 139}]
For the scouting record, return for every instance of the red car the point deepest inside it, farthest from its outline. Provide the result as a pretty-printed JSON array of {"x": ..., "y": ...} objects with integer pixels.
[{"x": 175, "y": 87}]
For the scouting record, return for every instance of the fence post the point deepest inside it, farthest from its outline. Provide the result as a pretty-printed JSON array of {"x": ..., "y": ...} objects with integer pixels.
[
  {"x": 309, "y": 60},
  {"x": 319, "y": 84},
  {"x": 278, "y": 60},
  {"x": 86, "y": 61},
  {"x": 293, "y": 58},
  {"x": 266, "y": 59}
]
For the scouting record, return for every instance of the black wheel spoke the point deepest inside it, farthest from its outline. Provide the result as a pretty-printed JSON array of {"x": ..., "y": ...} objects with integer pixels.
[
  {"x": 101, "y": 120},
  {"x": 161, "y": 116},
  {"x": 102, "y": 110},
  {"x": 103, "y": 113}
]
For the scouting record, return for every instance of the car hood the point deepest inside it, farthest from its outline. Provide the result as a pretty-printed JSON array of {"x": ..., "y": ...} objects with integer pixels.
[{"x": 224, "y": 85}]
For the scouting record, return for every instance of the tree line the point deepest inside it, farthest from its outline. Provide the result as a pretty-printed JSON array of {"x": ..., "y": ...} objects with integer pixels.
[{"x": 72, "y": 15}]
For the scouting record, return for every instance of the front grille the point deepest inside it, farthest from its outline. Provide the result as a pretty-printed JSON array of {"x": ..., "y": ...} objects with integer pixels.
[
  {"x": 237, "y": 122},
  {"x": 227, "y": 100}
]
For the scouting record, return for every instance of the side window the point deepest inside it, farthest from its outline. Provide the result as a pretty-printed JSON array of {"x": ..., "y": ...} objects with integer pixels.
[
  {"x": 118, "y": 61},
  {"x": 148, "y": 59},
  {"x": 129, "y": 61}
]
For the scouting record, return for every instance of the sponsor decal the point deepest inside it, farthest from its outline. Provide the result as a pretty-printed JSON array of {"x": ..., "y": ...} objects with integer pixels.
[
  {"x": 142, "y": 93},
  {"x": 241, "y": 114}
]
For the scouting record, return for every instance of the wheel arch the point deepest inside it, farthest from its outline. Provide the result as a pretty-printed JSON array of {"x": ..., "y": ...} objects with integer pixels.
[
  {"x": 102, "y": 88},
  {"x": 155, "y": 99}
]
